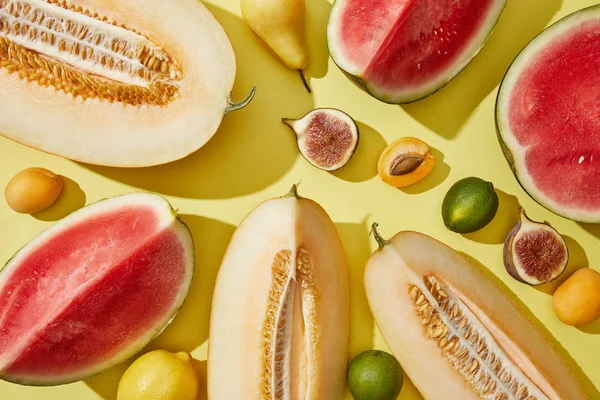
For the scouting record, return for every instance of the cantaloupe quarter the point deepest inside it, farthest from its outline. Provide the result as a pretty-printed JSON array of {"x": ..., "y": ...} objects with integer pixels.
[
  {"x": 121, "y": 83},
  {"x": 93, "y": 290},
  {"x": 457, "y": 335},
  {"x": 280, "y": 318}
]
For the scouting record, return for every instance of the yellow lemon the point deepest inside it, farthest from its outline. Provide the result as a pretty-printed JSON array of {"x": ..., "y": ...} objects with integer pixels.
[{"x": 160, "y": 375}]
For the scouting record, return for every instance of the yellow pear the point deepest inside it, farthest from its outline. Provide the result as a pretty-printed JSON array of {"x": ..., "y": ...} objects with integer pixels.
[{"x": 281, "y": 25}]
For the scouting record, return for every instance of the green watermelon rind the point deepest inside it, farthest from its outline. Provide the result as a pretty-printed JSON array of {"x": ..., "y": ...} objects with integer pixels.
[
  {"x": 183, "y": 232},
  {"x": 513, "y": 153},
  {"x": 374, "y": 91}
]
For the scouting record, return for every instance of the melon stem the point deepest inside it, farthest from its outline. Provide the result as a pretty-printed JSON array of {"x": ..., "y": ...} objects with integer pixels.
[
  {"x": 233, "y": 106},
  {"x": 293, "y": 191},
  {"x": 304, "y": 81},
  {"x": 380, "y": 240}
]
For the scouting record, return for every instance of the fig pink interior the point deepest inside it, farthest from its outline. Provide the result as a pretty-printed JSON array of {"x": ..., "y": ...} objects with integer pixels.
[
  {"x": 555, "y": 113},
  {"x": 88, "y": 292},
  {"x": 403, "y": 43}
]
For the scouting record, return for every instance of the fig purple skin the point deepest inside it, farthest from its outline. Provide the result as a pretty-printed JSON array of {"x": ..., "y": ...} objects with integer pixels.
[
  {"x": 508, "y": 258},
  {"x": 543, "y": 252}
]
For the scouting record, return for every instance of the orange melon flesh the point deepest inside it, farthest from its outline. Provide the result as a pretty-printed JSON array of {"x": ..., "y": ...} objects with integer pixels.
[
  {"x": 150, "y": 90},
  {"x": 448, "y": 323},
  {"x": 92, "y": 290},
  {"x": 280, "y": 318}
]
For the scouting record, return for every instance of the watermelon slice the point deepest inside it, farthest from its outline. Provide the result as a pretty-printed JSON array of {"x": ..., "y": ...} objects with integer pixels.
[
  {"x": 401, "y": 51},
  {"x": 92, "y": 290},
  {"x": 548, "y": 117}
]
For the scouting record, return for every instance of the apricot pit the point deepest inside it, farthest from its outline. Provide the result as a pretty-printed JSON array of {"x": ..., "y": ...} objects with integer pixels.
[{"x": 406, "y": 161}]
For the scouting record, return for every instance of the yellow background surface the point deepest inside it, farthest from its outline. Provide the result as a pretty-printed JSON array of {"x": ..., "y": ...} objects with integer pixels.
[{"x": 253, "y": 157}]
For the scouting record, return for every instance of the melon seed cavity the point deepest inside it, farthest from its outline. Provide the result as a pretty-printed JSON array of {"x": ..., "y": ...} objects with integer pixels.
[
  {"x": 55, "y": 44},
  {"x": 468, "y": 345},
  {"x": 291, "y": 283}
]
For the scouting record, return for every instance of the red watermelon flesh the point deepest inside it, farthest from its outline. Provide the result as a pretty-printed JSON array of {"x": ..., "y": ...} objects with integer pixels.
[
  {"x": 92, "y": 290},
  {"x": 403, "y": 50},
  {"x": 549, "y": 117}
]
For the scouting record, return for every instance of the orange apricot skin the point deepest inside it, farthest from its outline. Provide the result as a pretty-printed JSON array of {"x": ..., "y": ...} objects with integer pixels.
[
  {"x": 32, "y": 190},
  {"x": 577, "y": 301},
  {"x": 405, "y": 145}
]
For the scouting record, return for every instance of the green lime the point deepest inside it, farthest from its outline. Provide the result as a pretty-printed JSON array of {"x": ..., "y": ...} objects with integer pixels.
[
  {"x": 469, "y": 205},
  {"x": 375, "y": 375}
]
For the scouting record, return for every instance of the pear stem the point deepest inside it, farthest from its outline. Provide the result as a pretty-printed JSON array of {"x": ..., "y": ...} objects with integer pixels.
[
  {"x": 380, "y": 240},
  {"x": 232, "y": 106},
  {"x": 304, "y": 81}
]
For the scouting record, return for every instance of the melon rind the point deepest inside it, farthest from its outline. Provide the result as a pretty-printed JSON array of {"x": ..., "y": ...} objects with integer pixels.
[
  {"x": 512, "y": 150},
  {"x": 414, "y": 94},
  {"x": 169, "y": 220}
]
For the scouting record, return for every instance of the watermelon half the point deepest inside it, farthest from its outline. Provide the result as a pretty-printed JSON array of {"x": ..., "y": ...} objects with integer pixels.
[
  {"x": 93, "y": 290},
  {"x": 548, "y": 117},
  {"x": 401, "y": 51}
]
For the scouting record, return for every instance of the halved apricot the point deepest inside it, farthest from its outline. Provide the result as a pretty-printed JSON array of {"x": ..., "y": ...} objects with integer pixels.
[{"x": 406, "y": 161}]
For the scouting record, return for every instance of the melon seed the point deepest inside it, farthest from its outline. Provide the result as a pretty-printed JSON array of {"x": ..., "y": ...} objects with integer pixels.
[
  {"x": 405, "y": 164},
  {"x": 69, "y": 48},
  {"x": 33, "y": 190},
  {"x": 467, "y": 344}
]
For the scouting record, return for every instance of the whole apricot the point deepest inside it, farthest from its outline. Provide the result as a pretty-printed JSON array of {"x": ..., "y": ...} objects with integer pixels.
[
  {"x": 33, "y": 190},
  {"x": 577, "y": 301}
]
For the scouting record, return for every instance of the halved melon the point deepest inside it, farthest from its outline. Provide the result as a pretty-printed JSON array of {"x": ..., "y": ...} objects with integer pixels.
[
  {"x": 121, "y": 83},
  {"x": 92, "y": 290},
  {"x": 547, "y": 116},
  {"x": 401, "y": 51},
  {"x": 280, "y": 317},
  {"x": 456, "y": 334}
]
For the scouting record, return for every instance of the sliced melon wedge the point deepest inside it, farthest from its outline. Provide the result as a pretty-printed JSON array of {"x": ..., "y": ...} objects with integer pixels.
[
  {"x": 401, "y": 51},
  {"x": 130, "y": 83},
  {"x": 93, "y": 290},
  {"x": 456, "y": 334},
  {"x": 547, "y": 117},
  {"x": 280, "y": 317}
]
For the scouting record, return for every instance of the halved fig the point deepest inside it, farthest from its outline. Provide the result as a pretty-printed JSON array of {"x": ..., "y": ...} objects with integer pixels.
[
  {"x": 534, "y": 252},
  {"x": 457, "y": 335},
  {"x": 280, "y": 317},
  {"x": 326, "y": 137},
  {"x": 406, "y": 161}
]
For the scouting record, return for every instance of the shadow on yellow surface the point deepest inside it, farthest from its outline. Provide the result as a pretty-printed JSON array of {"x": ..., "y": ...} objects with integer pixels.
[
  {"x": 447, "y": 110},
  {"x": 593, "y": 229},
  {"x": 317, "y": 15},
  {"x": 363, "y": 165},
  {"x": 190, "y": 328},
  {"x": 252, "y": 148},
  {"x": 587, "y": 385},
  {"x": 591, "y": 329},
  {"x": 577, "y": 260},
  {"x": 440, "y": 172},
  {"x": 71, "y": 199},
  {"x": 355, "y": 238},
  {"x": 506, "y": 218},
  {"x": 201, "y": 371}
]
